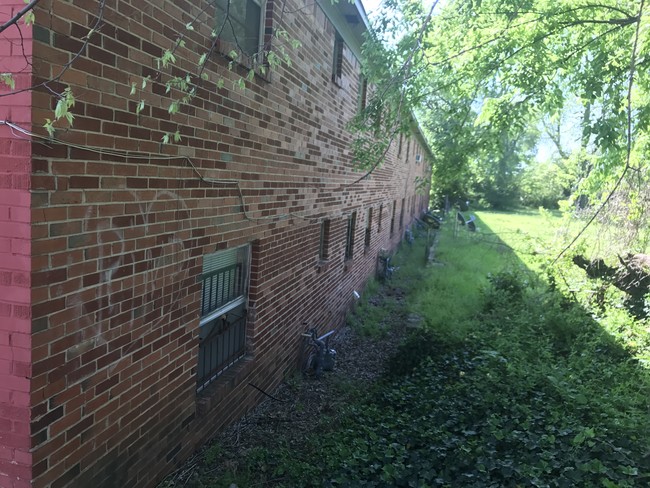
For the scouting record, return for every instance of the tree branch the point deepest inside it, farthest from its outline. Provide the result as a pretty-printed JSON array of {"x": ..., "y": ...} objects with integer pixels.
[
  {"x": 628, "y": 155},
  {"x": 18, "y": 16}
]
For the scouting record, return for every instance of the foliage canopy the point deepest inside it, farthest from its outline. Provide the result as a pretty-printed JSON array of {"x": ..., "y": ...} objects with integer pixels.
[{"x": 489, "y": 75}]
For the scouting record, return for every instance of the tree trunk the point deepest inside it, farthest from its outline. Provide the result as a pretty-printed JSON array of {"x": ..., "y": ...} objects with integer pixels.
[{"x": 631, "y": 276}]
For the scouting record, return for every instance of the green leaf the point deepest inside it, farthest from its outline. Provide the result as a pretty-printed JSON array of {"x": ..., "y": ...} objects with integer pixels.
[
  {"x": 49, "y": 127},
  {"x": 8, "y": 79},
  {"x": 29, "y": 17}
]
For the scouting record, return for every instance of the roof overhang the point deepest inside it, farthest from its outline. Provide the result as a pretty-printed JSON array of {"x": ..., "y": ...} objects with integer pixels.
[{"x": 350, "y": 20}]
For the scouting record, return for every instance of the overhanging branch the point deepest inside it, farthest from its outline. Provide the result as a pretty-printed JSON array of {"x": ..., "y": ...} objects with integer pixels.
[{"x": 18, "y": 16}]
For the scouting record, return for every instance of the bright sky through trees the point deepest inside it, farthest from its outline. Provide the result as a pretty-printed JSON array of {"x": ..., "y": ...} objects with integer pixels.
[{"x": 546, "y": 148}]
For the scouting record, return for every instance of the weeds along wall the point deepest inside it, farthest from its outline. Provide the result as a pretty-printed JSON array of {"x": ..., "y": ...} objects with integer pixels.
[{"x": 118, "y": 242}]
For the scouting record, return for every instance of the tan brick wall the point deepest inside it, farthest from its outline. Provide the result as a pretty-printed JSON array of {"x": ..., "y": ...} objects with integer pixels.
[{"x": 118, "y": 242}]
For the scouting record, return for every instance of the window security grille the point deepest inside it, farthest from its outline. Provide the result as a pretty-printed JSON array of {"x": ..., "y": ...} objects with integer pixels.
[
  {"x": 349, "y": 240},
  {"x": 337, "y": 66},
  {"x": 222, "y": 338},
  {"x": 222, "y": 344}
]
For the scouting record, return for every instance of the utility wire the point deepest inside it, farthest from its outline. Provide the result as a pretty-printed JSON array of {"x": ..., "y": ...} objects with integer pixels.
[{"x": 126, "y": 154}]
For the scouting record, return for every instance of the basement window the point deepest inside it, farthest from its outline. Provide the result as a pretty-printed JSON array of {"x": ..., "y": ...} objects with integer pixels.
[{"x": 224, "y": 294}]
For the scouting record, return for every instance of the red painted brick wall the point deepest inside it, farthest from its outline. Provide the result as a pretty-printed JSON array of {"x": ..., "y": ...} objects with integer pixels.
[
  {"x": 15, "y": 264},
  {"x": 118, "y": 241}
]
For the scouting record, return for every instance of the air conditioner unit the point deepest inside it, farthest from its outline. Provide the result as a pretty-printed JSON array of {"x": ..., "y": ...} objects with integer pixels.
[{"x": 418, "y": 158}]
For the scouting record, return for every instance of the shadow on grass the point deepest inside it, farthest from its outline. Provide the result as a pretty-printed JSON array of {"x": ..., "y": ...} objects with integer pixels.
[
  {"x": 520, "y": 385},
  {"x": 505, "y": 384}
]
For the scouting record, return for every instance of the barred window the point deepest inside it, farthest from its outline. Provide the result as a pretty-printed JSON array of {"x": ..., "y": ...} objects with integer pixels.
[
  {"x": 337, "y": 65},
  {"x": 368, "y": 228},
  {"x": 222, "y": 335},
  {"x": 323, "y": 248},
  {"x": 349, "y": 240}
]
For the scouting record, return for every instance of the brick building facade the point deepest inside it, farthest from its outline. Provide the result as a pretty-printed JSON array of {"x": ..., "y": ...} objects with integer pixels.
[{"x": 151, "y": 283}]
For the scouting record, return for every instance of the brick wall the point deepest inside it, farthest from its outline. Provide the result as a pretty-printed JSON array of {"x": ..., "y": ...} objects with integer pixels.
[
  {"x": 15, "y": 326},
  {"x": 117, "y": 241}
]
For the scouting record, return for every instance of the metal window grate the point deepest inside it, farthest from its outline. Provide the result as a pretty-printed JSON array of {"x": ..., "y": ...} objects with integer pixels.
[
  {"x": 366, "y": 240},
  {"x": 349, "y": 239},
  {"x": 222, "y": 335},
  {"x": 337, "y": 67},
  {"x": 223, "y": 345},
  {"x": 222, "y": 286}
]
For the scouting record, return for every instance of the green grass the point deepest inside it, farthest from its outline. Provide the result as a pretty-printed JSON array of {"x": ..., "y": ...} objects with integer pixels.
[{"x": 509, "y": 383}]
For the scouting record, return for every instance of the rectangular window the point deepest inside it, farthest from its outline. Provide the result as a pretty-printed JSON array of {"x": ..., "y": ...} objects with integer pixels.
[
  {"x": 401, "y": 214},
  {"x": 408, "y": 149},
  {"x": 392, "y": 218},
  {"x": 349, "y": 239},
  {"x": 222, "y": 335},
  {"x": 381, "y": 212},
  {"x": 323, "y": 249},
  {"x": 337, "y": 66},
  {"x": 240, "y": 26},
  {"x": 368, "y": 229},
  {"x": 399, "y": 148},
  {"x": 363, "y": 92}
]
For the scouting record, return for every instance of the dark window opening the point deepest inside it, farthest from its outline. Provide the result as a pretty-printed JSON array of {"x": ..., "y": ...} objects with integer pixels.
[
  {"x": 381, "y": 212},
  {"x": 323, "y": 249},
  {"x": 368, "y": 228},
  {"x": 240, "y": 28},
  {"x": 349, "y": 239},
  {"x": 337, "y": 67},
  {"x": 222, "y": 334},
  {"x": 363, "y": 93}
]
